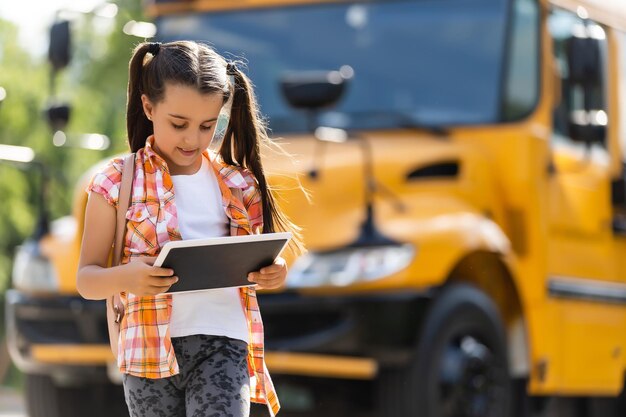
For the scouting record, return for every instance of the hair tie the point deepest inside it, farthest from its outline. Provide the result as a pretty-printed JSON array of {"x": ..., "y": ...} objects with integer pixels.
[
  {"x": 231, "y": 68},
  {"x": 154, "y": 47}
]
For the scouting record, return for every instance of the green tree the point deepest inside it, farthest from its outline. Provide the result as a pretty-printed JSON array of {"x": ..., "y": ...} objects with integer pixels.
[
  {"x": 95, "y": 86},
  {"x": 21, "y": 123}
]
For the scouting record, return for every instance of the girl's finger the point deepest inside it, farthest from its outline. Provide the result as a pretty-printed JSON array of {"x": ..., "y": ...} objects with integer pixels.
[
  {"x": 161, "y": 272},
  {"x": 257, "y": 276},
  {"x": 149, "y": 260},
  {"x": 164, "y": 282},
  {"x": 157, "y": 290},
  {"x": 271, "y": 269},
  {"x": 162, "y": 285},
  {"x": 270, "y": 281},
  {"x": 268, "y": 278}
]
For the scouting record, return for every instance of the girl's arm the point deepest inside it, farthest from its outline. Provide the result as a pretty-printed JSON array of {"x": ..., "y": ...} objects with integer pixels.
[{"x": 94, "y": 280}]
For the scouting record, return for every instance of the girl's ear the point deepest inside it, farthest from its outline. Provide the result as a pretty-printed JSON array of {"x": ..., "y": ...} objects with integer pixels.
[{"x": 148, "y": 108}]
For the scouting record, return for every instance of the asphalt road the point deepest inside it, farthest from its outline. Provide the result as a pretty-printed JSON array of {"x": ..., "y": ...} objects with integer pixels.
[{"x": 11, "y": 403}]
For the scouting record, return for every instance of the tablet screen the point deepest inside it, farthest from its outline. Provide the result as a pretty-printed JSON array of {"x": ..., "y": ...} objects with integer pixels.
[{"x": 202, "y": 264}]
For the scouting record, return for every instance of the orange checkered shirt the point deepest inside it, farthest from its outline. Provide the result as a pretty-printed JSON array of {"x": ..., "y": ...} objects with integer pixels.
[{"x": 145, "y": 347}]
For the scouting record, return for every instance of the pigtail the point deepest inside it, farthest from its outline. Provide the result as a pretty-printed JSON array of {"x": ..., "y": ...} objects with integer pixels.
[
  {"x": 241, "y": 146},
  {"x": 138, "y": 127},
  {"x": 187, "y": 63}
]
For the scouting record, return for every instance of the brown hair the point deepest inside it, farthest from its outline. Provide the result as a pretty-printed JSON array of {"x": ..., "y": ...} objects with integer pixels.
[{"x": 197, "y": 65}]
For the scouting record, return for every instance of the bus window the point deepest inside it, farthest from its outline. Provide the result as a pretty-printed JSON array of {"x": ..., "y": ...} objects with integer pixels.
[
  {"x": 522, "y": 78},
  {"x": 432, "y": 62},
  {"x": 622, "y": 102}
]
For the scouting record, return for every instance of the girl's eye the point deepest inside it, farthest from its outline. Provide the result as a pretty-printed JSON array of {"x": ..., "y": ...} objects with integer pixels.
[
  {"x": 178, "y": 127},
  {"x": 205, "y": 128}
]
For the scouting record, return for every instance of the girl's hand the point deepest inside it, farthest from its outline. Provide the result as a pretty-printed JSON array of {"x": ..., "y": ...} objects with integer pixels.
[
  {"x": 270, "y": 277},
  {"x": 144, "y": 279}
]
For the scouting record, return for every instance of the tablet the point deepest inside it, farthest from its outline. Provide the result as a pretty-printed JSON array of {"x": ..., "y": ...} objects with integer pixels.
[{"x": 219, "y": 262}]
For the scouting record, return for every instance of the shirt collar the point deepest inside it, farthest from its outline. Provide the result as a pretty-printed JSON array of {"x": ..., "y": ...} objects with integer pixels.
[
  {"x": 152, "y": 157},
  {"x": 231, "y": 175}
]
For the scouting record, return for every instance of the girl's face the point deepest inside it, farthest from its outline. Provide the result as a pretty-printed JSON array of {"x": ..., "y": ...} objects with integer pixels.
[{"x": 184, "y": 123}]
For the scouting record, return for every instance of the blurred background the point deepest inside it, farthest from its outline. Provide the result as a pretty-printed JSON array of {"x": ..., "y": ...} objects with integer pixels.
[
  {"x": 465, "y": 204},
  {"x": 33, "y": 103}
]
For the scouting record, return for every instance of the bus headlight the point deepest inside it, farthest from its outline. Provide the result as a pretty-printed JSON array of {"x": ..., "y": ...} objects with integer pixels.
[
  {"x": 349, "y": 266},
  {"x": 32, "y": 271}
]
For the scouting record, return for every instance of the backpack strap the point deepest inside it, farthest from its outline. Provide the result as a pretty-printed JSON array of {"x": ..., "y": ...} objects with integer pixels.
[{"x": 123, "y": 203}]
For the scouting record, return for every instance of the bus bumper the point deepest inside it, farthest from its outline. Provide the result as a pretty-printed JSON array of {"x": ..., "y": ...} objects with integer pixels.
[{"x": 65, "y": 337}]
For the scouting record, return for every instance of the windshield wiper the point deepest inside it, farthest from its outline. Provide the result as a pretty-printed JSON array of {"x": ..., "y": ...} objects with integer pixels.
[
  {"x": 368, "y": 120},
  {"x": 363, "y": 121},
  {"x": 412, "y": 121}
]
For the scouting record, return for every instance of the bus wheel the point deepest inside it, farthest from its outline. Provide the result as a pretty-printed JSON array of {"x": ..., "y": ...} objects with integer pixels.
[
  {"x": 460, "y": 366},
  {"x": 46, "y": 399}
]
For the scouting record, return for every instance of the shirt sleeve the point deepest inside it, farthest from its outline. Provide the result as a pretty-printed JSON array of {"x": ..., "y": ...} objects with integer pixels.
[
  {"x": 107, "y": 181},
  {"x": 253, "y": 202}
]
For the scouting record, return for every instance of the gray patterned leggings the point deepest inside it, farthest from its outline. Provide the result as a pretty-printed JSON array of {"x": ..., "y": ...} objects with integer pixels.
[{"x": 213, "y": 381}]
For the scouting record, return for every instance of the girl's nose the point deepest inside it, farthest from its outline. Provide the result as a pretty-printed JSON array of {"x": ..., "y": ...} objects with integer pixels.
[
  {"x": 189, "y": 139},
  {"x": 192, "y": 138}
]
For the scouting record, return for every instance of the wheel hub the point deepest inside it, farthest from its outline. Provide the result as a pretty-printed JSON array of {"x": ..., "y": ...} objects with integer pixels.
[{"x": 467, "y": 378}]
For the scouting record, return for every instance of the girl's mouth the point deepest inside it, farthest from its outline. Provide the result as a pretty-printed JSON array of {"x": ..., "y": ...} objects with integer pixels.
[{"x": 189, "y": 152}]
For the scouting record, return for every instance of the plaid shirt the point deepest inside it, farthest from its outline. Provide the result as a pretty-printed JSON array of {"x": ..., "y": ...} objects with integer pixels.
[{"x": 145, "y": 347}]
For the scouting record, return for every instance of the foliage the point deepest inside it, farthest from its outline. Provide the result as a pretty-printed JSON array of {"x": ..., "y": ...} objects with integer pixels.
[
  {"x": 94, "y": 85},
  {"x": 20, "y": 124}
]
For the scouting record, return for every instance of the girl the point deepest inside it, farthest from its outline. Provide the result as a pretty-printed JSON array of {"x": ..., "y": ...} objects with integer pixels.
[{"x": 192, "y": 354}]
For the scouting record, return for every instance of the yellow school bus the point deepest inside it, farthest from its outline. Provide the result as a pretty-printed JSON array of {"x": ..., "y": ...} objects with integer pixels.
[{"x": 465, "y": 217}]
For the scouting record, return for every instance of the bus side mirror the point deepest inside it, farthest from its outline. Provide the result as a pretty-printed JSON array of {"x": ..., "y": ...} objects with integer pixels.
[
  {"x": 584, "y": 61},
  {"x": 586, "y": 74},
  {"x": 587, "y": 131},
  {"x": 618, "y": 189},
  {"x": 59, "y": 51},
  {"x": 313, "y": 90}
]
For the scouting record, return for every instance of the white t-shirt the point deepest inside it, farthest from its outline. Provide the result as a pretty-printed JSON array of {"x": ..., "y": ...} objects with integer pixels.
[{"x": 201, "y": 214}]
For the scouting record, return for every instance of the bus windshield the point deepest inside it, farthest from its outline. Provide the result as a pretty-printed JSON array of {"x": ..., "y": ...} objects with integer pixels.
[{"x": 437, "y": 62}]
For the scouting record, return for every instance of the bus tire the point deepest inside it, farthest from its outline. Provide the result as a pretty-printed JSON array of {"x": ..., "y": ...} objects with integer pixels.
[
  {"x": 40, "y": 396},
  {"x": 460, "y": 367},
  {"x": 44, "y": 398}
]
